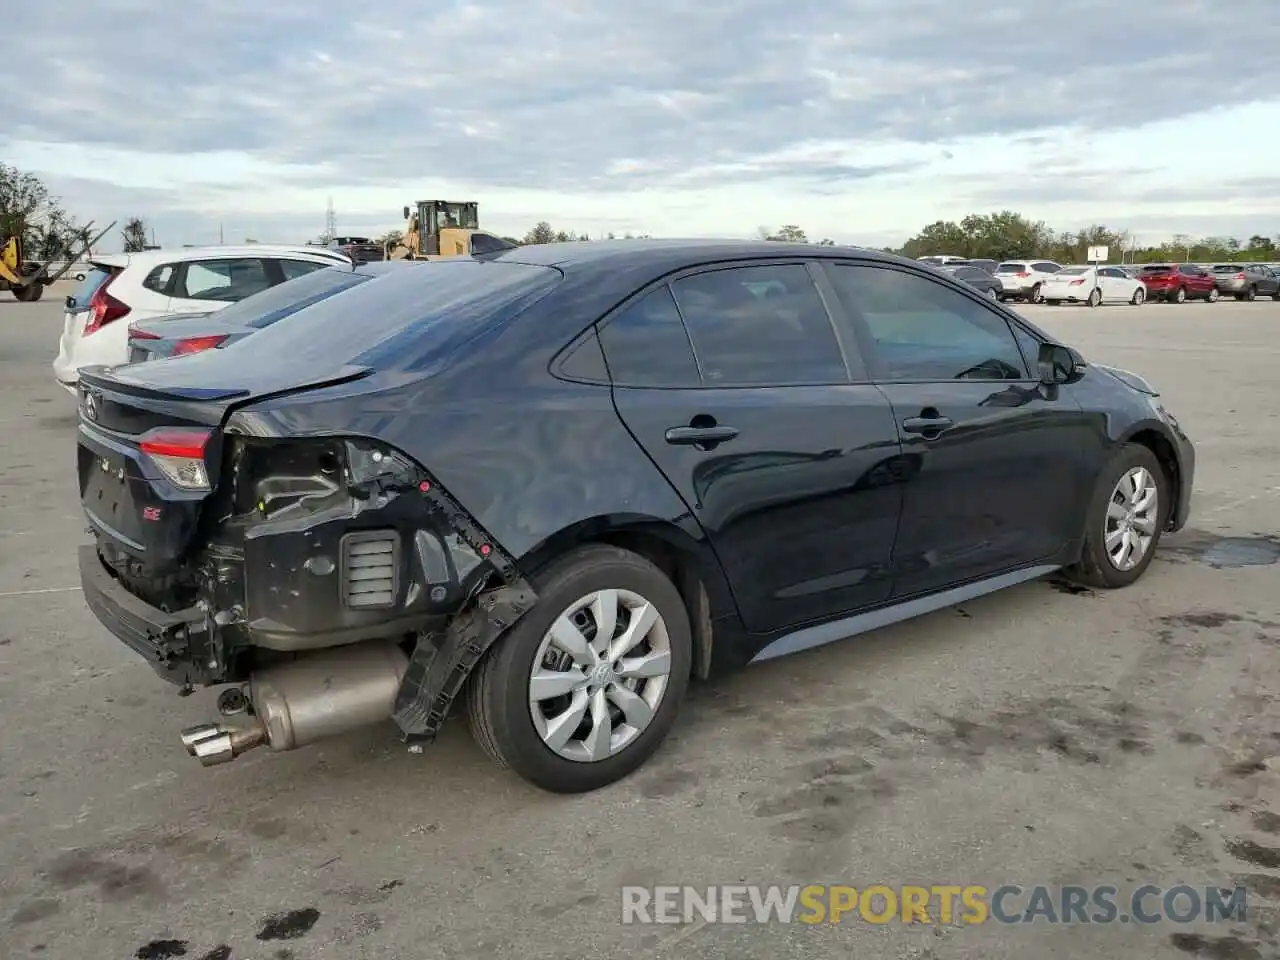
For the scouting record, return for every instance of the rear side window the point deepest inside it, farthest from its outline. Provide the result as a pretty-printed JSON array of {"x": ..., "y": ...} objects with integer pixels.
[
  {"x": 224, "y": 280},
  {"x": 292, "y": 269},
  {"x": 1190, "y": 270},
  {"x": 158, "y": 279},
  {"x": 645, "y": 344},
  {"x": 752, "y": 326}
]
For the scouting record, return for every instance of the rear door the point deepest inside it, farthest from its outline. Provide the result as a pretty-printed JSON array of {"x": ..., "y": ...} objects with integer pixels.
[
  {"x": 202, "y": 286},
  {"x": 735, "y": 381},
  {"x": 999, "y": 480}
]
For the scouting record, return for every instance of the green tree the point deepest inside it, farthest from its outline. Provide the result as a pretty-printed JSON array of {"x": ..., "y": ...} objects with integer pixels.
[
  {"x": 134, "y": 235},
  {"x": 29, "y": 211},
  {"x": 541, "y": 233},
  {"x": 785, "y": 234}
]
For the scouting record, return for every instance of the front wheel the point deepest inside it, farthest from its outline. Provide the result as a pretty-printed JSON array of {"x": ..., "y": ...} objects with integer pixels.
[
  {"x": 586, "y": 686},
  {"x": 1127, "y": 514},
  {"x": 1139, "y": 297},
  {"x": 1251, "y": 294}
]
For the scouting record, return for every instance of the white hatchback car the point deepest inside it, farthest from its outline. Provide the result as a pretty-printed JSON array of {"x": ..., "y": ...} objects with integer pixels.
[{"x": 123, "y": 287}]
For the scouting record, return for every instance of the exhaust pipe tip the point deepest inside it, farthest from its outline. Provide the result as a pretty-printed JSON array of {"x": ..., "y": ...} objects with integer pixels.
[
  {"x": 193, "y": 736},
  {"x": 212, "y": 743}
]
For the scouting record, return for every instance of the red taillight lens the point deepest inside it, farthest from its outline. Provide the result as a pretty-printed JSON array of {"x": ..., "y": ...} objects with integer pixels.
[
  {"x": 1023, "y": 275},
  {"x": 103, "y": 309},
  {"x": 178, "y": 453},
  {"x": 196, "y": 344},
  {"x": 1239, "y": 276},
  {"x": 136, "y": 334},
  {"x": 1076, "y": 283}
]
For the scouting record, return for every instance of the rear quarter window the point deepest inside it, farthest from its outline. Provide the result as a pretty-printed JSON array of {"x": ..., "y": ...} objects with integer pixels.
[{"x": 88, "y": 287}]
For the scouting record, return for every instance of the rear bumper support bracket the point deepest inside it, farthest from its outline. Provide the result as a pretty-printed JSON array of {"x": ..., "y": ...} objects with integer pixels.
[{"x": 443, "y": 660}]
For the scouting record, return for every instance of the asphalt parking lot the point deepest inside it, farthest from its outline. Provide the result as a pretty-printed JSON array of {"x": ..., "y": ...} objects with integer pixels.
[{"x": 1040, "y": 736}]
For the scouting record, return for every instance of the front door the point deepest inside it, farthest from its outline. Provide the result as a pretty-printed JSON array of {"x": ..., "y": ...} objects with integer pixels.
[
  {"x": 743, "y": 396},
  {"x": 1001, "y": 482}
]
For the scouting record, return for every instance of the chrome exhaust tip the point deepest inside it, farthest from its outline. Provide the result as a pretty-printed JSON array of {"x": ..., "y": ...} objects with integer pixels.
[{"x": 213, "y": 743}]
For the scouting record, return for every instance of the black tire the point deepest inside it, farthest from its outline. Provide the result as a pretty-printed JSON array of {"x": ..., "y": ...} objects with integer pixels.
[
  {"x": 1238, "y": 296},
  {"x": 1251, "y": 294},
  {"x": 1139, "y": 297},
  {"x": 1034, "y": 296},
  {"x": 1212, "y": 295},
  {"x": 1095, "y": 569},
  {"x": 1180, "y": 295},
  {"x": 1276, "y": 295},
  {"x": 1095, "y": 298},
  {"x": 498, "y": 695},
  {"x": 30, "y": 293}
]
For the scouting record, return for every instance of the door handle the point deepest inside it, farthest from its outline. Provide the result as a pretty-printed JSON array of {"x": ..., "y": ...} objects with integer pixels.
[
  {"x": 929, "y": 426},
  {"x": 698, "y": 436}
]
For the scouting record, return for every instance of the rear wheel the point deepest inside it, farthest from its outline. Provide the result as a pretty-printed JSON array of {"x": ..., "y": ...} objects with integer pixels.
[
  {"x": 1128, "y": 512},
  {"x": 30, "y": 293},
  {"x": 586, "y": 686},
  {"x": 1180, "y": 296},
  {"x": 1095, "y": 297},
  {"x": 991, "y": 293},
  {"x": 1036, "y": 296}
]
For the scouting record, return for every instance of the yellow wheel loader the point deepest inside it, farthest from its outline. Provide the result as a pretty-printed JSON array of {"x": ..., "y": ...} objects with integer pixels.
[
  {"x": 437, "y": 229},
  {"x": 26, "y": 279}
]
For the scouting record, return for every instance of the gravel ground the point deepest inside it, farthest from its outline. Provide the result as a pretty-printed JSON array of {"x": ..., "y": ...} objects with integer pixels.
[{"x": 1038, "y": 736}]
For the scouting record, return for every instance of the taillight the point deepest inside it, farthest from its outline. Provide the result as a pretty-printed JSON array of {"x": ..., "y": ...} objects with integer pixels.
[
  {"x": 1239, "y": 276},
  {"x": 1076, "y": 283},
  {"x": 103, "y": 309},
  {"x": 196, "y": 344},
  {"x": 178, "y": 453},
  {"x": 1022, "y": 275}
]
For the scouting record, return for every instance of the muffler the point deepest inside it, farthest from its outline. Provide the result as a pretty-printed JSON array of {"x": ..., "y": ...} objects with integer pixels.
[{"x": 316, "y": 696}]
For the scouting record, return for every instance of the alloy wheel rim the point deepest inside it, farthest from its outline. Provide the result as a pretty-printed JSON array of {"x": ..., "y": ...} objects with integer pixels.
[
  {"x": 1132, "y": 515},
  {"x": 1139, "y": 296},
  {"x": 599, "y": 675}
]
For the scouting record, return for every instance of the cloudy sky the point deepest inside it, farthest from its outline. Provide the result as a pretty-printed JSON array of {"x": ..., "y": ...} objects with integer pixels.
[{"x": 859, "y": 120}]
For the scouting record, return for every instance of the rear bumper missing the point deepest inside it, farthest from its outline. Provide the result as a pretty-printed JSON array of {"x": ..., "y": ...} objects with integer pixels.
[{"x": 163, "y": 639}]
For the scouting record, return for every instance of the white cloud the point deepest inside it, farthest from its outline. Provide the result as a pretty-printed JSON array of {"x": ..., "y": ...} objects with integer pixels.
[{"x": 861, "y": 121}]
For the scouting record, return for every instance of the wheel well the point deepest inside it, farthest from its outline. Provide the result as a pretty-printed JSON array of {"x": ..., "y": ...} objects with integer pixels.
[
  {"x": 1160, "y": 446},
  {"x": 682, "y": 570}
]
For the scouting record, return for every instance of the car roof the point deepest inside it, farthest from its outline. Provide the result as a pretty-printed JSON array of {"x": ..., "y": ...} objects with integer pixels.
[{"x": 147, "y": 258}]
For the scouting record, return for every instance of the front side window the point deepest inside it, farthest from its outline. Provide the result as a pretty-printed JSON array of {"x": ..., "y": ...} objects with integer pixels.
[
  {"x": 225, "y": 280},
  {"x": 760, "y": 325},
  {"x": 922, "y": 330}
]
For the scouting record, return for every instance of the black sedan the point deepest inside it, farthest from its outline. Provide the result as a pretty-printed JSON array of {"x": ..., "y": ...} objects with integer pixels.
[
  {"x": 549, "y": 489},
  {"x": 985, "y": 283}
]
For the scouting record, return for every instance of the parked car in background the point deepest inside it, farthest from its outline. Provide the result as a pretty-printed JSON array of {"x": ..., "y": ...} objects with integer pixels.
[
  {"x": 403, "y": 517},
  {"x": 1178, "y": 283},
  {"x": 1093, "y": 285},
  {"x": 1246, "y": 281},
  {"x": 977, "y": 278},
  {"x": 157, "y": 283},
  {"x": 1022, "y": 279},
  {"x": 941, "y": 261},
  {"x": 988, "y": 265},
  {"x": 190, "y": 333},
  {"x": 359, "y": 249}
]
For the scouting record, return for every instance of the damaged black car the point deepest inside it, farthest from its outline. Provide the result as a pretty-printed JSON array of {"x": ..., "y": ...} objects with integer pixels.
[{"x": 548, "y": 488}]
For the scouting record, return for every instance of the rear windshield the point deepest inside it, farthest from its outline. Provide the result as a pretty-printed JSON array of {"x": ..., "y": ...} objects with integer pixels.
[
  {"x": 88, "y": 286},
  {"x": 1160, "y": 269},
  {"x": 1011, "y": 268},
  {"x": 1229, "y": 268},
  {"x": 270, "y": 305},
  {"x": 404, "y": 321}
]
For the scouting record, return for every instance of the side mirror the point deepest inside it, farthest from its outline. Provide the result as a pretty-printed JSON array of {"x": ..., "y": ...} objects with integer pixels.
[
  {"x": 1059, "y": 364},
  {"x": 406, "y": 213}
]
